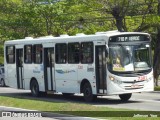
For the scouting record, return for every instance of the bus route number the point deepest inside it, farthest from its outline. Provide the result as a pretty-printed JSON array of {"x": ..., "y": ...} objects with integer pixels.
[{"x": 141, "y": 78}]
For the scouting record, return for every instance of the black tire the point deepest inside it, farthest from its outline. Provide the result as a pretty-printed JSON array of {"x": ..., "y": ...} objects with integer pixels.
[
  {"x": 87, "y": 92},
  {"x": 35, "y": 88},
  {"x": 125, "y": 97},
  {"x": 2, "y": 83}
]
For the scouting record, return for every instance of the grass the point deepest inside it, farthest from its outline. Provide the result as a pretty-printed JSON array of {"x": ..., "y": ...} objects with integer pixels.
[
  {"x": 157, "y": 88},
  {"x": 79, "y": 109},
  {"x": 44, "y": 105},
  {"x": 1, "y": 60}
]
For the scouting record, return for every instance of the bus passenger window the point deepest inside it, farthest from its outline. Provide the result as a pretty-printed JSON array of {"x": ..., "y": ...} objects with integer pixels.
[
  {"x": 10, "y": 54},
  {"x": 37, "y": 54},
  {"x": 73, "y": 52},
  {"x": 87, "y": 52},
  {"x": 61, "y": 53},
  {"x": 50, "y": 57},
  {"x": 28, "y": 54}
]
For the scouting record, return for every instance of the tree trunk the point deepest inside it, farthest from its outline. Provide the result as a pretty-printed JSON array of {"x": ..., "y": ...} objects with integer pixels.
[
  {"x": 118, "y": 15},
  {"x": 119, "y": 23},
  {"x": 156, "y": 60}
]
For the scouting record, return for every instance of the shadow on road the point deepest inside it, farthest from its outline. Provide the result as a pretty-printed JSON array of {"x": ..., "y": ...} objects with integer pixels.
[{"x": 60, "y": 98}]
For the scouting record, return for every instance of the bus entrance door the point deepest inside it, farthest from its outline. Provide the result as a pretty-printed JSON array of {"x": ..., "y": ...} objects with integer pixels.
[
  {"x": 101, "y": 69},
  {"x": 19, "y": 68},
  {"x": 49, "y": 77}
]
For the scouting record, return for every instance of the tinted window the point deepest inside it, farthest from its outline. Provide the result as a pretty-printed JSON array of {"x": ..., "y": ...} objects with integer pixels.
[
  {"x": 28, "y": 54},
  {"x": 10, "y": 54},
  {"x": 87, "y": 52},
  {"x": 61, "y": 53},
  {"x": 2, "y": 70},
  {"x": 37, "y": 53},
  {"x": 73, "y": 52}
]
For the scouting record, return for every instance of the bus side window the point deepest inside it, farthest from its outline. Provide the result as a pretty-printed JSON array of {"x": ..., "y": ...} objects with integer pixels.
[
  {"x": 87, "y": 52},
  {"x": 61, "y": 53},
  {"x": 28, "y": 53},
  {"x": 50, "y": 57},
  {"x": 73, "y": 52},
  {"x": 10, "y": 54},
  {"x": 37, "y": 53}
]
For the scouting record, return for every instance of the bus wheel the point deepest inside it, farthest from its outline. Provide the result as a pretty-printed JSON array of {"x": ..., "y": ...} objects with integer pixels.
[
  {"x": 2, "y": 83},
  {"x": 34, "y": 88},
  {"x": 125, "y": 97},
  {"x": 87, "y": 92}
]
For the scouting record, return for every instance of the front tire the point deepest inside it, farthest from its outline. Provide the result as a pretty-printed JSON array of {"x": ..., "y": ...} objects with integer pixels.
[
  {"x": 125, "y": 97},
  {"x": 87, "y": 92},
  {"x": 35, "y": 88}
]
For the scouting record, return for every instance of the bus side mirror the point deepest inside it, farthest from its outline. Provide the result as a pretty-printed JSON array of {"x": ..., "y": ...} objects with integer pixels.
[{"x": 106, "y": 53}]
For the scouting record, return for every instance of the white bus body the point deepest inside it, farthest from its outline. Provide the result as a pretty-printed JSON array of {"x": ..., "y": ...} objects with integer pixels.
[{"x": 85, "y": 64}]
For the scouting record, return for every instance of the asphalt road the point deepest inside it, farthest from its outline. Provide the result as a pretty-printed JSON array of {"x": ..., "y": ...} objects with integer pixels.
[{"x": 139, "y": 101}]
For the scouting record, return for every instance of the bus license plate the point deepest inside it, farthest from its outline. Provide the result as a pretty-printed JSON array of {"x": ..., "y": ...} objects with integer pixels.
[{"x": 135, "y": 86}]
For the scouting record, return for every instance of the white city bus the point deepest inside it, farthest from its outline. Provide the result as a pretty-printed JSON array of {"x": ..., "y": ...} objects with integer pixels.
[{"x": 105, "y": 63}]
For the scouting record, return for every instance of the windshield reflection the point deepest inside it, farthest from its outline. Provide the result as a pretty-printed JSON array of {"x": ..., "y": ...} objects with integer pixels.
[{"x": 131, "y": 58}]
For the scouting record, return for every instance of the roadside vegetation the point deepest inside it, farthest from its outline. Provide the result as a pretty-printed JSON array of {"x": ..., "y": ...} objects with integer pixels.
[
  {"x": 78, "y": 109},
  {"x": 157, "y": 88}
]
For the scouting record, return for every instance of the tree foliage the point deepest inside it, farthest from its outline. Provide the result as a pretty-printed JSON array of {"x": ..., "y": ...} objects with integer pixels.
[{"x": 21, "y": 18}]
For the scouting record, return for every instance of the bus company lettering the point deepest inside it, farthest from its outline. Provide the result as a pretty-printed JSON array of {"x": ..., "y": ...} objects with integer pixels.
[
  {"x": 141, "y": 78},
  {"x": 90, "y": 69},
  {"x": 36, "y": 70},
  {"x": 64, "y": 71}
]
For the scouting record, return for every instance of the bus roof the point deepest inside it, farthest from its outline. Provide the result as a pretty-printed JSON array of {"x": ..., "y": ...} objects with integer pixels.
[{"x": 66, "y": 38}]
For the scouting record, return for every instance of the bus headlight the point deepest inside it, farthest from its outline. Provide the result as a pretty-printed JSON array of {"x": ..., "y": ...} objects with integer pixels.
[
  {"x": 111, "y": 78},
  {"x": 115, "y": 80}
]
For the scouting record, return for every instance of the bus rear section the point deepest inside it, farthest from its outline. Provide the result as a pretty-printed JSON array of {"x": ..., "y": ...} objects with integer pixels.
[{"x": 47, "y": 65}]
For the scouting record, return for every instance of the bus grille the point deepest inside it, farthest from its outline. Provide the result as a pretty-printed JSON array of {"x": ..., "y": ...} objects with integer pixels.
[{"x": 133, "y": 86}]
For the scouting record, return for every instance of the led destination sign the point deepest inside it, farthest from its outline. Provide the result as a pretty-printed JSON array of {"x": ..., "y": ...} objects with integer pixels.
[{"x": 129, "y": 38}]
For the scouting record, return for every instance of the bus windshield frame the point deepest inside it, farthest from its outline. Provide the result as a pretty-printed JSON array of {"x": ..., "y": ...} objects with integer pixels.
[{"x": 129, "y": 57}]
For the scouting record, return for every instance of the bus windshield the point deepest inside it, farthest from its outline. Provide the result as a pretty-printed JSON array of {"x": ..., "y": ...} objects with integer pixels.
[{"x": 129, "y": 58}]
